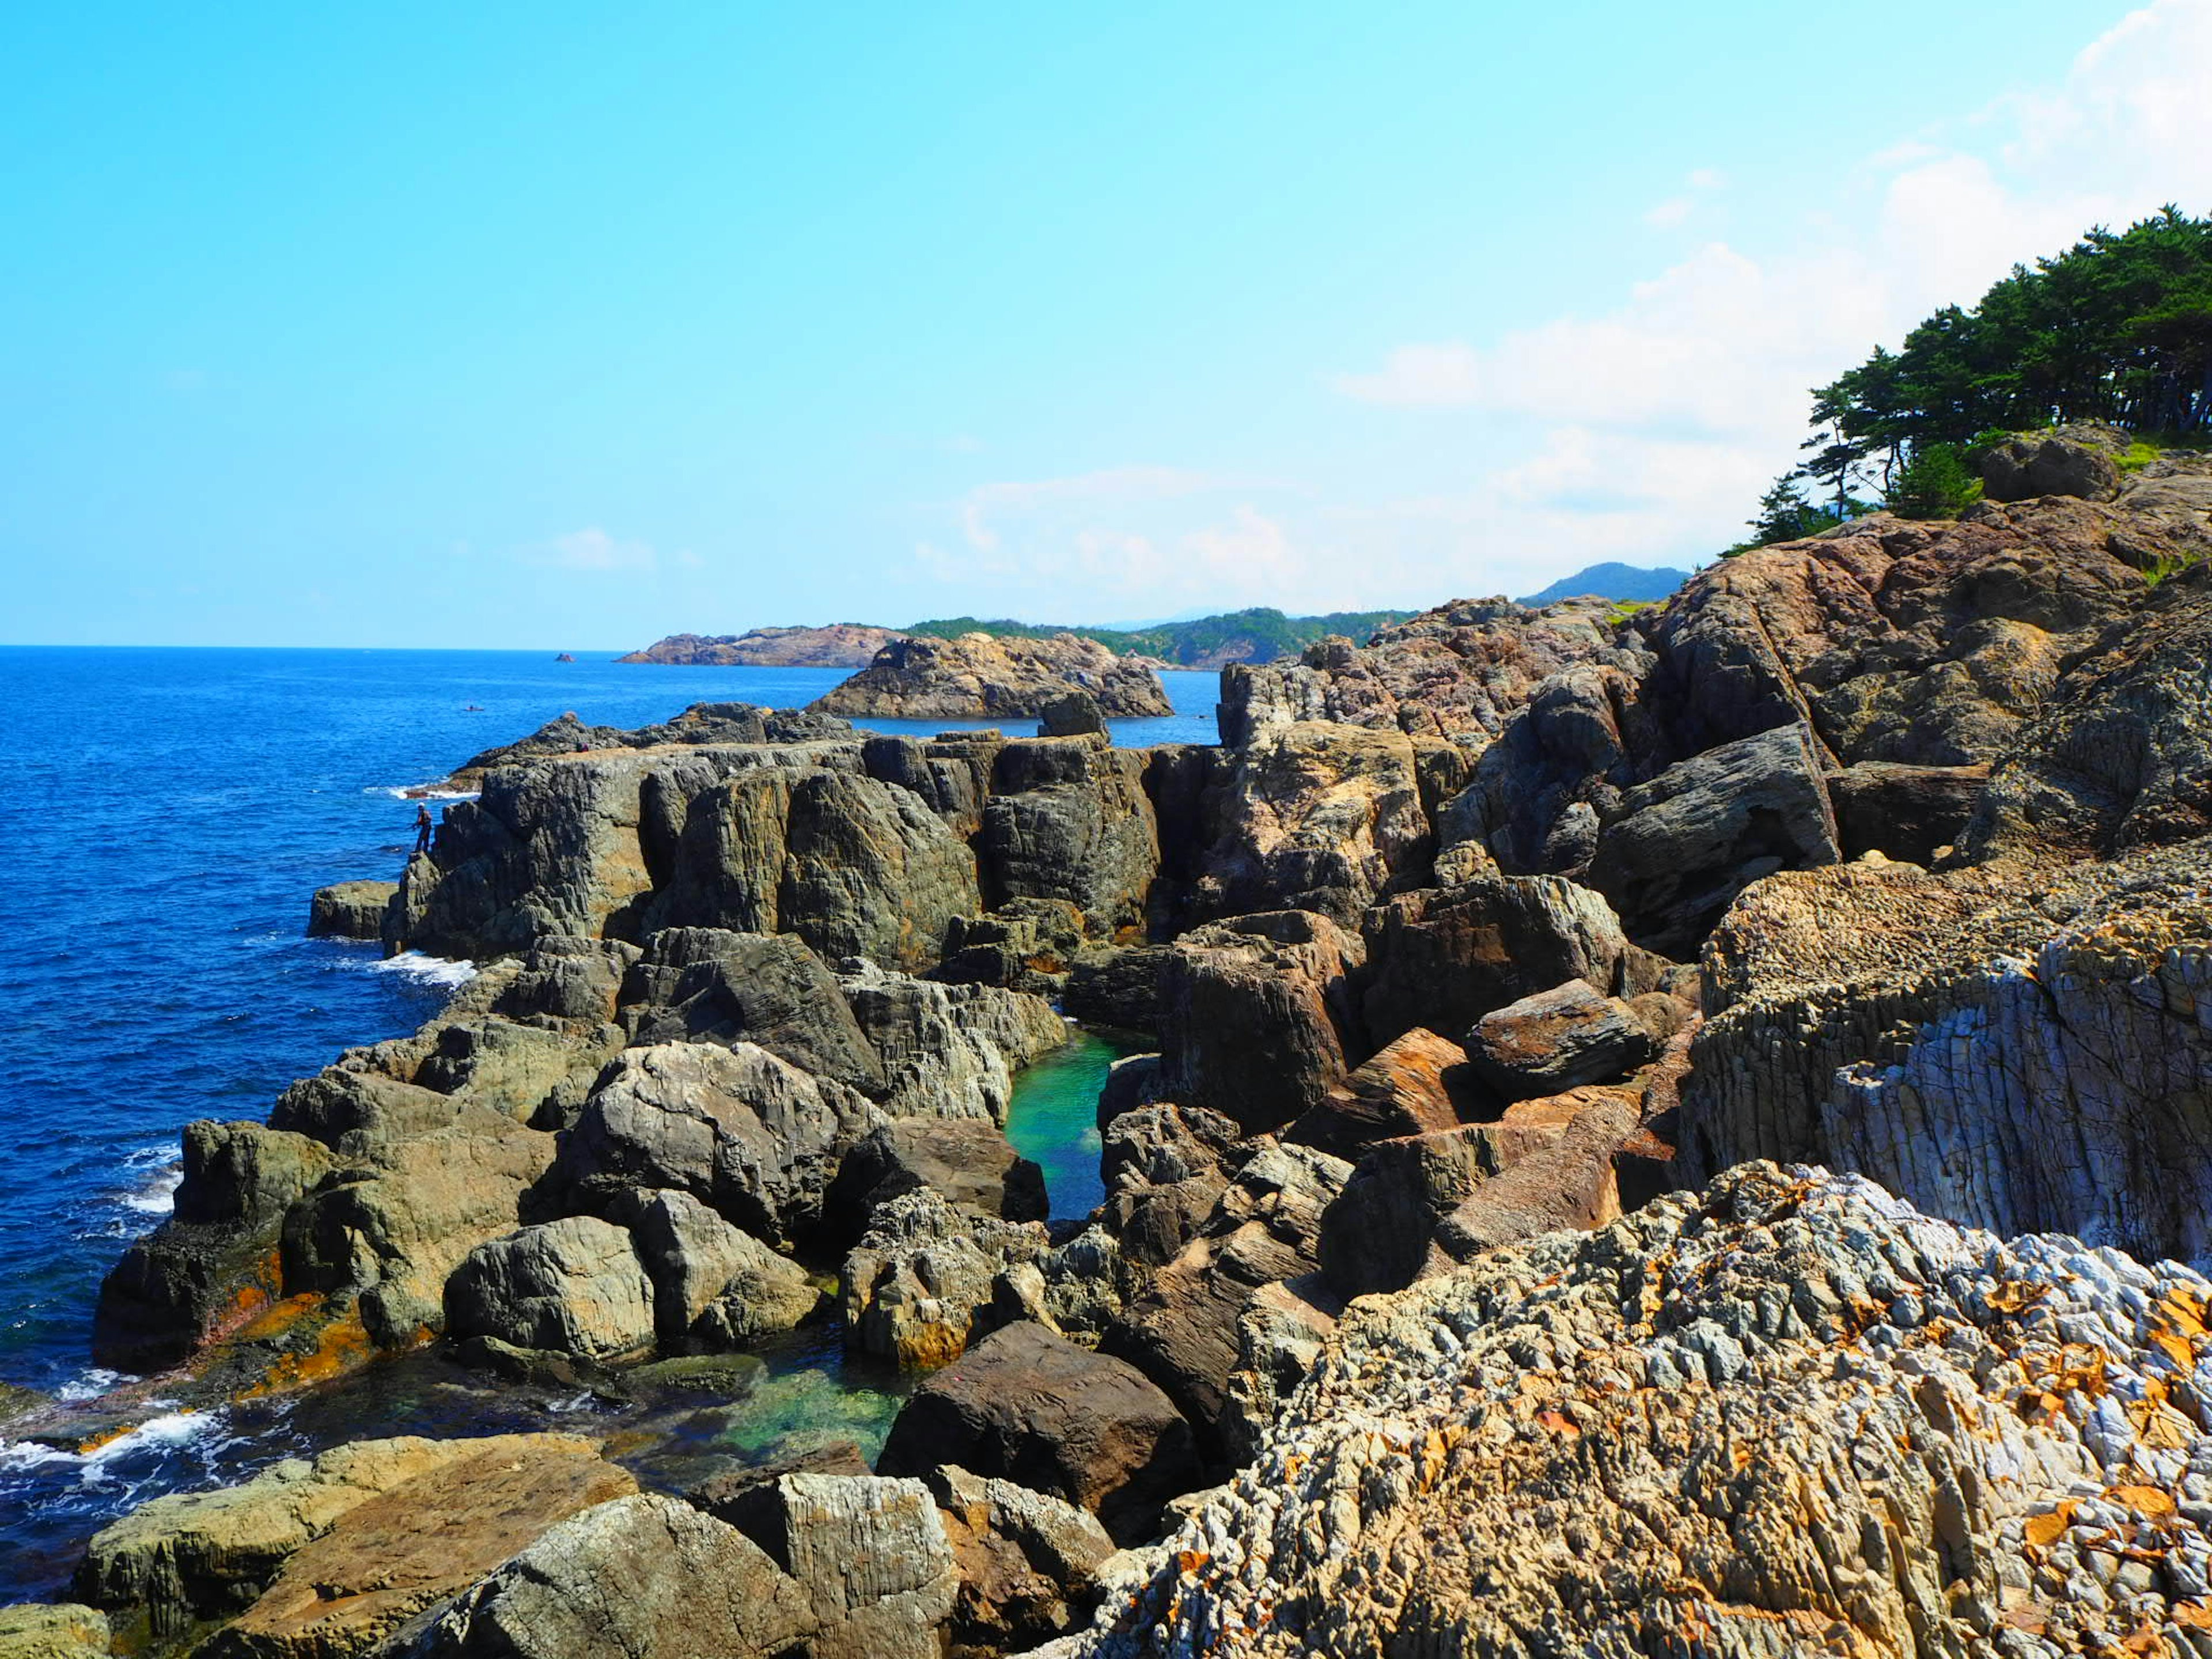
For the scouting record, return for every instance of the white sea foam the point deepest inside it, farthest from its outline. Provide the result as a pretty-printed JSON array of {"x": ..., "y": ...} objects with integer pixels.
[
  {"x": 156, "y": 1192},
  {"x": 419, "y": 792},
  {"x": 428, "y": 970},
  {"x": 167, "y": 1432},
  {"x": 94, "y": 1382}
]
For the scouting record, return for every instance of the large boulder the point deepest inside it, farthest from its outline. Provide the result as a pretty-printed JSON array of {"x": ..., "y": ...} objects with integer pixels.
[
  {"x": 2073, "y": 461},
  {"x": 1319, "y": 816},
  {"x": 714, "y": 1287},
  {"x": 1162, "y": 1167},
  {"x": 646, "y": 1577},
  {"x": 747, "y": 1133},
  {"x": 1688, "y": 841},
  {"x": 1069, "y": 819},
  {"x": 177, "y": 1565},
  {"x": 870, "y": 1554},
  {"x": 1030, "y": 1407},
  {"x": 949, "y": 1050},
  {"x": 1558, "y": 1040},
  {"x": 350, "y": 910},
  {"x": 1417, "y": 1085},
  {"x": 572, "y": 1287},
  {"x": 1440, "y": 959},
  {"x": 1027, "y": 1562},
  {"x": 1256, "y": 1017},
  {"x": 915, "y": 1287},
  {"x": 701, "y": 984},
  {"x": 67, "y": 1630},
  {"x": 970, "y": 1162}
]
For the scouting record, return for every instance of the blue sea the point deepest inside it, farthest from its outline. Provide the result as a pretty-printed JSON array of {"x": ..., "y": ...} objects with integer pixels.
[{"x": 169, "y": 813}]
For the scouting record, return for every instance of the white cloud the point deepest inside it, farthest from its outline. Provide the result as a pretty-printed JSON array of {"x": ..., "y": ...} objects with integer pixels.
[
  {"x": 592, "y": 548},
  {"x": 1647, "y": 430},
  {"x": 1413, "y": 375}
]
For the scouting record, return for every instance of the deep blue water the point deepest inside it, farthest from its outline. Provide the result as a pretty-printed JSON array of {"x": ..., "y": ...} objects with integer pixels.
[{"x": 169, "y": 813}]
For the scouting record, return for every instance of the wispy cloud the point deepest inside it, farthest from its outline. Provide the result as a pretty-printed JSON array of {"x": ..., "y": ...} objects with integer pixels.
[
  {"x": 1412, "y": 376},
  {"x": 592, "y": 548}
]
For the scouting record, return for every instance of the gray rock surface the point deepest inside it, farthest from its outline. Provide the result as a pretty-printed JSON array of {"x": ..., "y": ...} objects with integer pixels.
[
  {"x": 921, "y": 1278},
  {"x": 1558, "y": 1040},
  {"x": 714, "y": 1287},
  {"x": 1027, "y": 1405},
  {"x": 350, "y": 910},
  {"x": 977, "y": 677},
  {"x": 645, "y": 1577},
  {"x": 1788, "y": 1414},
  {"x": 572, "y": 1287}
]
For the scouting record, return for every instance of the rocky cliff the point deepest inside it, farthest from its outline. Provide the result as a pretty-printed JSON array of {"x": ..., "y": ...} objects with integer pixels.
[
  {"x": 840, "y": 645},
  {"x": 1463, "y": 1244},
  {"x": 976, "y": 676}
]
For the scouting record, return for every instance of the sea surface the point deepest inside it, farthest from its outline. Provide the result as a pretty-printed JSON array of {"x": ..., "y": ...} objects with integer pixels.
[{"x": 168, "y": 813}]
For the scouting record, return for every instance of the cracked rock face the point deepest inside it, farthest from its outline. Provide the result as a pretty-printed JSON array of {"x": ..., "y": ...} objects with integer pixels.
[{"x": 1788, "y": 1415}]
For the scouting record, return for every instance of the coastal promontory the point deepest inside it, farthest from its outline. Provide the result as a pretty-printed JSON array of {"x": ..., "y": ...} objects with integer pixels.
[
  {"x": 976, "y": 676},
  {"x": 840, "y": 645}
]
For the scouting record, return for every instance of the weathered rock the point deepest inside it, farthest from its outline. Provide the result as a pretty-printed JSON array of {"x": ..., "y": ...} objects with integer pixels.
[
  {"x": 871, "y": 1555},
  {"x": 949, "y": 1050},
  {"x": 1181, "y": 1330},
  {"x": 1417, "y": 1085},
  {"x": 1457, "y": 671},
  {"x": 1162, "y": 1166},
  {"x": 1072, "y": 715},
  {"x": 1281, "y": 1336},
  {"x": 1906, "y": 812},
  {"x": 1557, "y": 1040},
  {"x": 967, "y": 1161},
  {"x": 1442, "y": 958},
  {"x": 350, "y": 910},
  {"x": 714, "y": 1287},
  {"x": 573, "y": 1286},
  {"x": 1256, "y": 1016},
  {"x": 977, "y": 677},
  {"x": 840, "y": 645},
  {"x": 184, "y": 1561},
  {"x": 67, "y": 1630},
  {"x": 645, "y": 1577},
  {"x": 2018, "y": 1047},
  {"x": 1069, "y": 819},
  {"x": 1688, "y": 842},
  {"x": 1319, "y": 816},
  {"x": 1120, "y": 988},
  {"x": 1786, "y": 1415},
  {"x": 869, "y": 870},
  {"x": 1027, "y": 1562},
  {"x": 745, "y": 1132},
  {"x": 1028, "y": 1406},
  {"x": 697, "y": 984},
  {"x": 1029, "y": 945},
  {"x": 914, "y": 1287},
  {"x": 2120, "y": 757},
  {"x": 2072, "y": 461}
]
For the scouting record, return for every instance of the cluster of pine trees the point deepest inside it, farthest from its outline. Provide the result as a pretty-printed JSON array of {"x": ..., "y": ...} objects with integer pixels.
[{"x": 2117, "y": 328}]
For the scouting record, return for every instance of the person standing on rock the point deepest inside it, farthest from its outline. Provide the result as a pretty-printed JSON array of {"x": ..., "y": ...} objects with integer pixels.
[{"x": 422, "y": 827}]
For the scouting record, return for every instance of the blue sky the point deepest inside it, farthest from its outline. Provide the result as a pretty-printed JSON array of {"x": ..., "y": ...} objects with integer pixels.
[{"x": 568, "y": 326}]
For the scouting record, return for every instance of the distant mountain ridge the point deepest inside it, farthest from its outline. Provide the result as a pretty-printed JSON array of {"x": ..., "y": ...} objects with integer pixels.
[
  {"x": 1260, "y": 634},
  {"x": 1610, "y": 581}
]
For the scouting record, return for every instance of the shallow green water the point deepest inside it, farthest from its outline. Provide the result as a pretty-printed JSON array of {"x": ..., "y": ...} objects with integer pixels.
[{"x": 1053, "y": 1120}]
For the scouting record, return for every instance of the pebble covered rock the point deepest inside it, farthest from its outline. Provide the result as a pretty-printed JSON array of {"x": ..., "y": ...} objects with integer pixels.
[{"x": 1789, "y": 1414}]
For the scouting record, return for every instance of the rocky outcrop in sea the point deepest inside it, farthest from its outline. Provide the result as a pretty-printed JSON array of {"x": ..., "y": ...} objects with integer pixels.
[
  {"x": 983, "y": 677},
  {"x": 1678, "y": 1130},
  {"x": 840, "y": 645}
]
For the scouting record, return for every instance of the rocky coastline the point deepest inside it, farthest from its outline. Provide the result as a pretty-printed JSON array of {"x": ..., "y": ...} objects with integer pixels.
[{"x": 1672, "y": 1130}]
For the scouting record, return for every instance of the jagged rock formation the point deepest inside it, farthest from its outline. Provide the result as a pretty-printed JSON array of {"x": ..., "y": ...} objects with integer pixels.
[
  {"x": 977, "y": 677},
  {"x": 1458, "y": 672},
  {"x": 1786, "y": 1415},
  {"x": 2020, "y": 1050},
  {"x": 839, "y": 645}
]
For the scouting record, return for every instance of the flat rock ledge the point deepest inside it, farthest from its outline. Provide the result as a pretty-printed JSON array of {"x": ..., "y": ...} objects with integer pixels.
[{"x": 1787, "y": 1415}]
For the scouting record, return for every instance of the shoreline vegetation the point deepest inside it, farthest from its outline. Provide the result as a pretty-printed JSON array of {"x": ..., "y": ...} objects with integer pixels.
[{"x": 1637, "y": 1123}]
